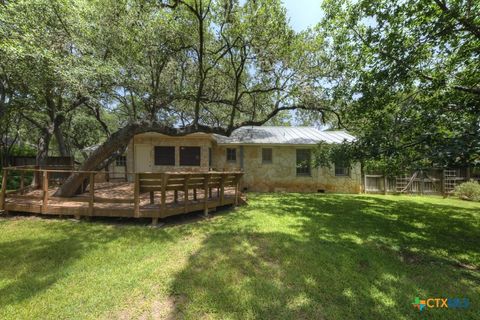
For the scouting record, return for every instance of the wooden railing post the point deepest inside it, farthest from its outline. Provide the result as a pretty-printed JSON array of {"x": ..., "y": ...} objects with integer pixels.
[
  {"x": 45, "y": 191},
  {"x": 164, "y": 192},
  {"x": 152, "y": 198},
  {"x": 136, "y": 196},
  {"x": 3, "y": 192},
  {"x": 222, "y": 188},
  {"x": 22, "y": 182},
  {"x": 237, "y": 183},
  {"x": 92, "y": 194},
  {"x": 185, "y": 192},
  {"x": 206, "y": 180}
]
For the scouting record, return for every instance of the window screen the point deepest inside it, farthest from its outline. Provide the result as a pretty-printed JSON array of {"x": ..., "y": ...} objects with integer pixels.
[
  {"x": 120, "y": 161},
  {"x": 231, "y": 154},
  {"x": 164, "y": 156},
  {"x": 303, "y": 162},
  {"x": 267, "y": 155},
  {"x": 341, "y": 169},
  {"x": 189, "y": 156}
]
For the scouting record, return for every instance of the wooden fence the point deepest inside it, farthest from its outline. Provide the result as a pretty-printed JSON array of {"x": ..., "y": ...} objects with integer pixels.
[{"x": 434, "y": 181}]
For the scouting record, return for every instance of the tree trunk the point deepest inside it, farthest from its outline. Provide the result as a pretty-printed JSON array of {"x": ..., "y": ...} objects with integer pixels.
[
  {"x": 42, "y": 154},
  {"x": 42, "y": 148},
  {"x": 62, "y": 147}
]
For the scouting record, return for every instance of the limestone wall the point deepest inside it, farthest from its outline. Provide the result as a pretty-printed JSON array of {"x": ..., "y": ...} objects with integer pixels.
[
  {"x": 280, "y": 175},
  {"x": 140, "y": 152}
]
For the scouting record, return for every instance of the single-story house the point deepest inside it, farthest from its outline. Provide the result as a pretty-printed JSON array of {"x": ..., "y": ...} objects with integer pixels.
[{"x": 272, "y": 158}]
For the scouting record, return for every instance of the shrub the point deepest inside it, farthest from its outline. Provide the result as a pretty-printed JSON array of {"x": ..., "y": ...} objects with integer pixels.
[{"x": 468, "y": 191}]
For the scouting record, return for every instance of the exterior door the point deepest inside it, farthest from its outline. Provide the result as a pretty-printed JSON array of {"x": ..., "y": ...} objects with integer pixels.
[{"x": 143, "y": 158}]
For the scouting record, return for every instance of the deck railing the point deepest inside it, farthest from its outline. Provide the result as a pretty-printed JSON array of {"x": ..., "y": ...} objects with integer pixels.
[{"x": 189, "y": 183}]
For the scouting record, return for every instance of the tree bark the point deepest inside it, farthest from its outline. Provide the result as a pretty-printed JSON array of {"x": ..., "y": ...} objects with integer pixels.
[
  {"x": 42, "y": 153},
  {"x": 62, "y": 147},
  {"x": 43, "y": 147}
]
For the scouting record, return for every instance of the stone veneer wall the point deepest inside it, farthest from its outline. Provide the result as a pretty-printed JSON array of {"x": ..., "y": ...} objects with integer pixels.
[
  {"x": 202, "y": 141},
  {"x": 280, "y": 175}
]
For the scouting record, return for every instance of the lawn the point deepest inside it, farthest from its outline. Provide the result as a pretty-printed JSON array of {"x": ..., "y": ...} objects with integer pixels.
[{"x": 286, "y": 256}]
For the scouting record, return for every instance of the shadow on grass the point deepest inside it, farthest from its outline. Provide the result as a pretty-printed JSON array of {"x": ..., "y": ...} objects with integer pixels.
[
  {"x": 32, "y": 263},
  {"x": 345, "y": 258}
]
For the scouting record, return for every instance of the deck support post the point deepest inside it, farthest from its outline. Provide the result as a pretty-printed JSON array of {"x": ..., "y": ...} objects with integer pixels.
[
  {"x": 154, "y": 221},
  {"x": 3, "y": 192},
  {"x": 45, "y": 191},
  {"x": 136, "y": 195},
  {"x": 175, "y": 196},
  {"x": 92, "y": 194},
  {"x": 195, "y": 194}
]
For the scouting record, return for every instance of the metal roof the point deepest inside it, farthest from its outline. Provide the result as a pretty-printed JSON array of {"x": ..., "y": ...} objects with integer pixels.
[{"x": 283, "y": 135}]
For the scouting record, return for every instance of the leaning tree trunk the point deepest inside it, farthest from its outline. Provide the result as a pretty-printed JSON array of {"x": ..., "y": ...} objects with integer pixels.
[{"x": 120, "y": 139}]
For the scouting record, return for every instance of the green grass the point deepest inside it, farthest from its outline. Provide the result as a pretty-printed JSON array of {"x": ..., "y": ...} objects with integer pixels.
[{"x": 286, "y": 256}]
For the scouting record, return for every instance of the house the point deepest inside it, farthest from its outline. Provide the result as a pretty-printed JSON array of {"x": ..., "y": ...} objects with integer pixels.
[{"x": 273, "y": 159}]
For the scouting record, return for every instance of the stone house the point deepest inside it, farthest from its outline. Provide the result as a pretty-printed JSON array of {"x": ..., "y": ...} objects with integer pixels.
[{"x": 273, "y": 159}]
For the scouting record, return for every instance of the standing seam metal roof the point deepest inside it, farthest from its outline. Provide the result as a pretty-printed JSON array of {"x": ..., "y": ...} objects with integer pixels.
[{"x": 283, "y": 135}]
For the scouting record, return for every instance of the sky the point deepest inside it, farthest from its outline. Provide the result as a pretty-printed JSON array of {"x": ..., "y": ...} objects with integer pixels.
[{"x": 303, "y": 13}]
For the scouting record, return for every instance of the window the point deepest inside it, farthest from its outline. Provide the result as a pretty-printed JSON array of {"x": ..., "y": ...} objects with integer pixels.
[
  {"x": 341, "y": 169},
  {"x": 120, "y": 161},
  {"x": 303, "y": 162},
  {"x": 231, "y": 154},
  {"x": 267, "y": 155},
  {"x": 189, "y": 156},
  {"x": 164, "y": 156}
]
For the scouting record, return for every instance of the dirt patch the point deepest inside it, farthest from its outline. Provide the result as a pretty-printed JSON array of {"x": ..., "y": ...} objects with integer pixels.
[
  {"x": 168, "y": 308},
  {"x": 410, "y": 257}
]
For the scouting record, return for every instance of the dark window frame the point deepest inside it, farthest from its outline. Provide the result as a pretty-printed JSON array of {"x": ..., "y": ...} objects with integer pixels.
[
  {"x": 341, "y": 170},
  {"x": 264, "y": 160},
  {"x": 190, "y": 159},
  {"x": 121, "y": 161},
  {"x": 166, "y": 160},
  {"x": 303, "y": 169},
  {"x": 231, "y": 154}
]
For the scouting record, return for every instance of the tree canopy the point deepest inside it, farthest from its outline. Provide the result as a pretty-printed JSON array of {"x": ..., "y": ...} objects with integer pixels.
[
  {"x": 407, "y": 77},
  {"x": 403, "y": 76}
]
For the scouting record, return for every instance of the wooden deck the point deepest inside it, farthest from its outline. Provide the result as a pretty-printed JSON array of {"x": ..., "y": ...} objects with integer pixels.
[{"x": 151, "y": 195}]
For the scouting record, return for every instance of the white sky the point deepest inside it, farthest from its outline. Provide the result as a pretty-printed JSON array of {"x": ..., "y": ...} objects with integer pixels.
[{"x": 303, "y": 13}]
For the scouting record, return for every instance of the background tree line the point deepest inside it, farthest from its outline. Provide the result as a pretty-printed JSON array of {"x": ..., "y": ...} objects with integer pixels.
[{"x": 401, "y": 76}]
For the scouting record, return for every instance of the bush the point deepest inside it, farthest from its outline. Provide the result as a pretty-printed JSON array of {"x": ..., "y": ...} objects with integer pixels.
[{"x": 468, "y": 191}]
